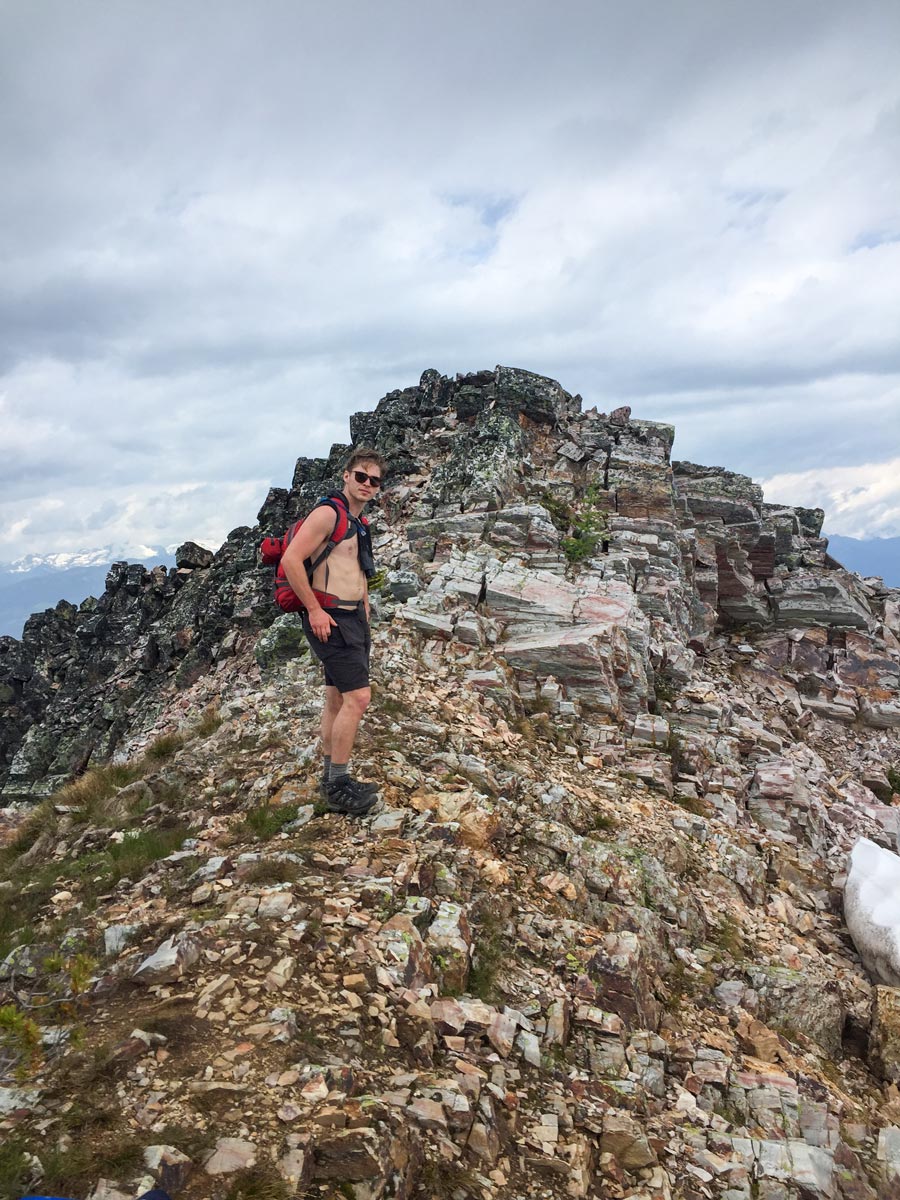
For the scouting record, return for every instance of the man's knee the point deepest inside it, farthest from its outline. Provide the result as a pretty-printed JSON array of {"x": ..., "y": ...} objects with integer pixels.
[
  {"x": 358, "y": 700},
  {"x": 333, "y": 700}
]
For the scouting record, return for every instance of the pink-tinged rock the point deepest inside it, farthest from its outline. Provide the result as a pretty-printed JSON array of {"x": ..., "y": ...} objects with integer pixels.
[
  {"x": 448, "y": 1016},
  {"x": 557, "y": 1024},
  {"x": 428, "y": 1113},
  {"x": 779, "y": 799},
  {"x": 502, "y": 1032},
  {"x": 605, "y": 1022},
  {"x": 406, "y": 959},
  {"x": 295, "y": 1168},
  {"x": 623, "y": 975},
  {"x": 230, "y": 1155},
  {"x": 484, "y": 1143},
  {"x": 449, "y": 941},
  {"x": 275, "y": 903},
  {"x": 559, "y": 884},
  {"x": 316, "y": 1089},
  {"x": 624, "y": 1139},
  {"x": 281, "y": 974},
  {"x": 594, "y": 638},
  {"x": 478, "y": 1015}
]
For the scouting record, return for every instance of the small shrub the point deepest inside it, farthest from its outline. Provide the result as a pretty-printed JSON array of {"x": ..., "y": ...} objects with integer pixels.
[
  {"x": 70, "y": 1170},
  {"x": 131, "y": 856},
  {"x": 893, "y": 778},
  {"x": 602, "y": 823},
  {"x": 675, "y": 751},
  {"x": 809, "y": 685},
  {"x": 580, "y": 546},
  {"x": 664, "y": 685},
  {"x": 20, "y": 1039},
  {"x": 727, "y": 935},
  {"x": 15, "y": 1167},
  {"x": 488, "y": 955}
]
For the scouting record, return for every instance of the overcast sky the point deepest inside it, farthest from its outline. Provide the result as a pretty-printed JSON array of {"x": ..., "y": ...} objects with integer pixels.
[{"x": 226, "y": 226}]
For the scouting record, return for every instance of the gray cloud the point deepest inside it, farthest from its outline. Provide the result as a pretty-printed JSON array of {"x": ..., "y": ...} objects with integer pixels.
[{"x": 224, "y": 229}]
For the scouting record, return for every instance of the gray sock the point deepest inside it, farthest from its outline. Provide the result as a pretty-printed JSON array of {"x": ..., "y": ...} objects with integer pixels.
[
  {"x": 326, "y": 767},
  {"x": 337, "y": 770}
]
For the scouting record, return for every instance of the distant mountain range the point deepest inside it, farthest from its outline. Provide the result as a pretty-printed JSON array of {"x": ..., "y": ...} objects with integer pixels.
[
  {"x": 37, "y": 582},
  {"x": 872, "y": 556}
]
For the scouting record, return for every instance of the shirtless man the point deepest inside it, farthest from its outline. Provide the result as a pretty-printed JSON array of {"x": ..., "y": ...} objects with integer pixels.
[{"x": 336, "y": 623}]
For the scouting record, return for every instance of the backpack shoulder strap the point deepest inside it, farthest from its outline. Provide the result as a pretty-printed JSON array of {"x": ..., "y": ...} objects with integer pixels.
[{"x": 336, "y": 501}]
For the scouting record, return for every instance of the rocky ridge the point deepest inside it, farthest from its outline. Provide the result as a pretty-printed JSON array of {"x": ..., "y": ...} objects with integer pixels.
[{"x": 630, "y": 719}]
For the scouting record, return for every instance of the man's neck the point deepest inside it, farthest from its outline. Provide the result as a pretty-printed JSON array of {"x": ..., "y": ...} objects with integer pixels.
[{"x": 354, "y": 506}]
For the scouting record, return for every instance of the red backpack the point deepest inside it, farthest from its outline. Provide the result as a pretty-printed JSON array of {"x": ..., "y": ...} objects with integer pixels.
[{"x": 272, "y": 548}]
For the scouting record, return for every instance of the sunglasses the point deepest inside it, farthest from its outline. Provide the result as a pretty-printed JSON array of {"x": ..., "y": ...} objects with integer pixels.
[{"x": 362, "y": 477}]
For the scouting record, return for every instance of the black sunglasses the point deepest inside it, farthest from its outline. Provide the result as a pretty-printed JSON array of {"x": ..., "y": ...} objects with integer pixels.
[{"x": 362, "y": 477}]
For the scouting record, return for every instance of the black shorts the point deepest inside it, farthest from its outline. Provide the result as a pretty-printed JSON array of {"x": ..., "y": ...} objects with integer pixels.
[{"x": 345, "y": 655}]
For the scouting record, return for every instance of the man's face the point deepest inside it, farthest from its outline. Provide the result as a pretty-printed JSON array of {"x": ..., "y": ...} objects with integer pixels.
[{"x": 362, "y": 488}]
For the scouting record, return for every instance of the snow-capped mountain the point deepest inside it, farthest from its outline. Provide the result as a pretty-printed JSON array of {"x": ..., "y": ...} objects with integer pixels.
[{"x": 40, "y": 581}]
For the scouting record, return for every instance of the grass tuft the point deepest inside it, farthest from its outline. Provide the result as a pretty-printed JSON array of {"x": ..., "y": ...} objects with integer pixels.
[
  {"x": 273, "y": 870},
  {"x": 164, "y": 747},
  {"x": 267, "y": 820},
  {"x": 261, "y": 1182},
  {"x": 210, "y": 720}
]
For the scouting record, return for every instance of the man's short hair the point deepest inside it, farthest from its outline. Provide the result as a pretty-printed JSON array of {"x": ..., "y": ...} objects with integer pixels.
[{"x": 365, "y": 454}]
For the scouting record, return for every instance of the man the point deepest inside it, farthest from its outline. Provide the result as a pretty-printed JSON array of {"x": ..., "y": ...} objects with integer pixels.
[{"x": 336, "y": 623}]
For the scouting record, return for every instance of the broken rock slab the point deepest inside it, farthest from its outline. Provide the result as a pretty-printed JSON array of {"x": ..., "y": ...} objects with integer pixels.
[
  {"x": 230, "y": 1155},
  {"x": 169, "y": 962}
]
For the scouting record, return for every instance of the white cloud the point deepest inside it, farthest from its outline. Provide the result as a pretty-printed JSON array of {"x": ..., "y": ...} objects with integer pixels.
[
  {"x": 223, "y": 233},
  {"x": 861, "y": 501}
]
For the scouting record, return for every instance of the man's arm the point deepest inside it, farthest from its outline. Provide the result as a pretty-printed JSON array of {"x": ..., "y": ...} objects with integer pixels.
[{"x": 316, "y": 529}]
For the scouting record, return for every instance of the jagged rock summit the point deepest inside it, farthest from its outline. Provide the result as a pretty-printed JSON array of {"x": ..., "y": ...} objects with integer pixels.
[
  {"x": 503, "y": 485},
  {"x": 630, "y": 721}
]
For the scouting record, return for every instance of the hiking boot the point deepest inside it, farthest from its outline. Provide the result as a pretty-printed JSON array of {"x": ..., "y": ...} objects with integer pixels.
[
  {"x": 363, "y": 789},
  {"x": 342, "y": 795}
]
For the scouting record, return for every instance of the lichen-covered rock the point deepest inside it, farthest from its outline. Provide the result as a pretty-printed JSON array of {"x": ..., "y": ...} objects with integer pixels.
[
  {"x": 449, "y": 942},
  {"x": 282, "y": 642}
]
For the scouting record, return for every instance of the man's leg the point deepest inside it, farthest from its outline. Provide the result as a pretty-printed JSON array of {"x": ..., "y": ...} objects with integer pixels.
[
  {"x": 333, "y": 703},
  {"x": 330, "y": 710},
  {"x": 345, "y": 723}
]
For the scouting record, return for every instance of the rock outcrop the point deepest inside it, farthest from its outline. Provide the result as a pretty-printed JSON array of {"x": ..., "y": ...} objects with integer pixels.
[{"x": 630, "y": 722}]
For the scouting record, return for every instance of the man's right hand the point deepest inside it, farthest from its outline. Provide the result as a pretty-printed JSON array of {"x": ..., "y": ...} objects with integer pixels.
[{"x": 321, "y": 623}]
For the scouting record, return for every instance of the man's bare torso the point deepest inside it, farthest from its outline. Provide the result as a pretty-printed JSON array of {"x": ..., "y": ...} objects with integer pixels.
[{"x": 345, "y": 578}]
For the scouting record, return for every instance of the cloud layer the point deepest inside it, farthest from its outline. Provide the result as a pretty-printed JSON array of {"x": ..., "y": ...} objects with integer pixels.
[{"x": 225, "y": 229}]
